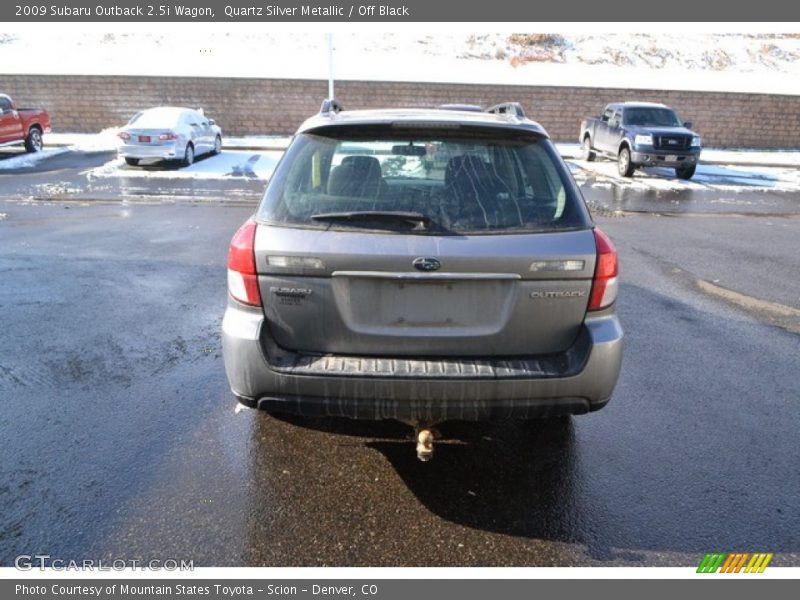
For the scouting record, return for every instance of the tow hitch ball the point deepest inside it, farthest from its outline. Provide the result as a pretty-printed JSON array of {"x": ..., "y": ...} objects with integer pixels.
[{"x": 424, "y": 444}]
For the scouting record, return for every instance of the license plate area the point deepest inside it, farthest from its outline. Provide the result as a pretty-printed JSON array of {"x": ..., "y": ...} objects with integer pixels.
[
  {"x": 672, "y": 158},
  {"x": 405, "y": 303},
  {"x": 415, "y": 304},
  {"x": 144, "y": 139}
]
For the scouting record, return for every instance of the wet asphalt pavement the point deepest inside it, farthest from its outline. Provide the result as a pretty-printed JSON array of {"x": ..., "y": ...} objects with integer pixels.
[{"x": 120, "y": 438}]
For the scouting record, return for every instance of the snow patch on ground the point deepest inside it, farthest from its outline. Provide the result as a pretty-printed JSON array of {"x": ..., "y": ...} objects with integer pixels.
[
  {"x": 722, "y": 156},
  {"x": 252, "y": 165},
  {"x": 266, "y": 142},
  {"x": 773, "y": 158},
  {"x": 732, "y": 178},
  {"x": 27, "y": 160},
  {"x": 52, "y": 190},
  {"x": 59, "y": 143},
  {"x": 96, "y": 142}
]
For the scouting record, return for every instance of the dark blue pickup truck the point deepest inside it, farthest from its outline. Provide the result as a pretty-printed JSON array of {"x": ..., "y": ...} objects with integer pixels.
[{"x": 641, "y": 134}]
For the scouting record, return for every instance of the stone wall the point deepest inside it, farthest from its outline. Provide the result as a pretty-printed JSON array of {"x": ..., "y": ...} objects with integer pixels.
[{"x": 277, "y": 106}]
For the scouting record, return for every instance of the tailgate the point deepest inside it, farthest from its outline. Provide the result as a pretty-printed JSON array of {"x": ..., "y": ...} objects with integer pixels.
[{"x": 360, "y": 294}]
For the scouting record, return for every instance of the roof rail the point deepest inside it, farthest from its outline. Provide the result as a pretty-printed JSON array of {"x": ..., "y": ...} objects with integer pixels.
[
  {"x": 508, "y": 108},
  {"x": 329, "y": 105},
  {"x": 465, "y": 107}
]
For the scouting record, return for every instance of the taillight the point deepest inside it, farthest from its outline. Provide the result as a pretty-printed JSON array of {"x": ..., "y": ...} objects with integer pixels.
[
  {"x": 604, "y": 284},
  {"x": 168, "y": 136},
  {"x": 124, "y": 135},
  {"x": 242, "y": 278}
]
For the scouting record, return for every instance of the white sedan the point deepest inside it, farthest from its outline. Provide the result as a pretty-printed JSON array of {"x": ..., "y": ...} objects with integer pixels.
[{"x": 169, "y": 133}]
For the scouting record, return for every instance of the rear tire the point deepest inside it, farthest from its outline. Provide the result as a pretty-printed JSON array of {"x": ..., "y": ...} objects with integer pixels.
[
  {"x": 685, "y": 172},
  {"x": 624, "y": 165},
  {"x": 34, "y": 142},
  {"x": 587, "y": 153},
  {"x": 188, "y": 156},
  {"x": 217, "y": 145},
  {"x": 132, "y": 161}
]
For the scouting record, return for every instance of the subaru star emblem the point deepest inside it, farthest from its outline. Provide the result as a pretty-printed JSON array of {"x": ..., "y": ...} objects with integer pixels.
[{"x": 424, "y": 263}]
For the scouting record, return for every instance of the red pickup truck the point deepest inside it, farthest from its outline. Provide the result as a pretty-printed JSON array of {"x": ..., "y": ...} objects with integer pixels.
[{"x": 22, "y": 125}]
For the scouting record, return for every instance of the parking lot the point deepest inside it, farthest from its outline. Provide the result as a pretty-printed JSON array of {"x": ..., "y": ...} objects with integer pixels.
[{"x": 121, "y": 439}]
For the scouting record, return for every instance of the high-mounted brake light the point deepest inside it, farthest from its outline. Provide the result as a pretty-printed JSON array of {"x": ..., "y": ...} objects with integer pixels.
[
  {"x": 242, "y": 277},
  {"x": 604, "y": 284}
]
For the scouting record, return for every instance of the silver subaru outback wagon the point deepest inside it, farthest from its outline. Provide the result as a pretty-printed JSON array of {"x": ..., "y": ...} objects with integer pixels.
[{"x": 422, "y": 265}]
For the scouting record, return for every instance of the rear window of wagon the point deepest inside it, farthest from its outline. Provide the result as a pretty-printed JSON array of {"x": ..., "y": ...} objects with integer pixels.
[{"x": 462, "y": 182}]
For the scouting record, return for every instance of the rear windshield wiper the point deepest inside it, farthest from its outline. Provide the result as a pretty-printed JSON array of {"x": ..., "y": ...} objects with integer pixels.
[{"x": 412, "y": 218}]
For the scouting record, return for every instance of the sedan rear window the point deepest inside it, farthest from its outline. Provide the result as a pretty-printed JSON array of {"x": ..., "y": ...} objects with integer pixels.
[
  {"x": 432, "y": 182},
  {"x": 156, "y": 118}
]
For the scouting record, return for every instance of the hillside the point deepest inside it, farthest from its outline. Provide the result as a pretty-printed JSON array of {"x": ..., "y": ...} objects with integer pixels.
[{"x": 725, "y": 62}]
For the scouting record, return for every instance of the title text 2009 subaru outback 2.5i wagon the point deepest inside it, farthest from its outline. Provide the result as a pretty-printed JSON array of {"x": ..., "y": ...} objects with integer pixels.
[{"x": 422, "y": 265}]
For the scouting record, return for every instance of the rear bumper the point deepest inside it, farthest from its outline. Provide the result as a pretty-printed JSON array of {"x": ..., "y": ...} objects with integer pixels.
[
  {"x": 265, "y": 376},
  {"x": 163, "y": 151}
]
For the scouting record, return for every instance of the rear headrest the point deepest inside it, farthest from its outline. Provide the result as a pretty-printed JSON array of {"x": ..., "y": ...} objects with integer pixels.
[
  {"x": 357, "y": 176},
  {"x": 367, "y": 166}
]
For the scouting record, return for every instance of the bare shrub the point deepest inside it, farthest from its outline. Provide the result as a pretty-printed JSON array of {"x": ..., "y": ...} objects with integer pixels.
[{"x": 536, "y": 39}]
